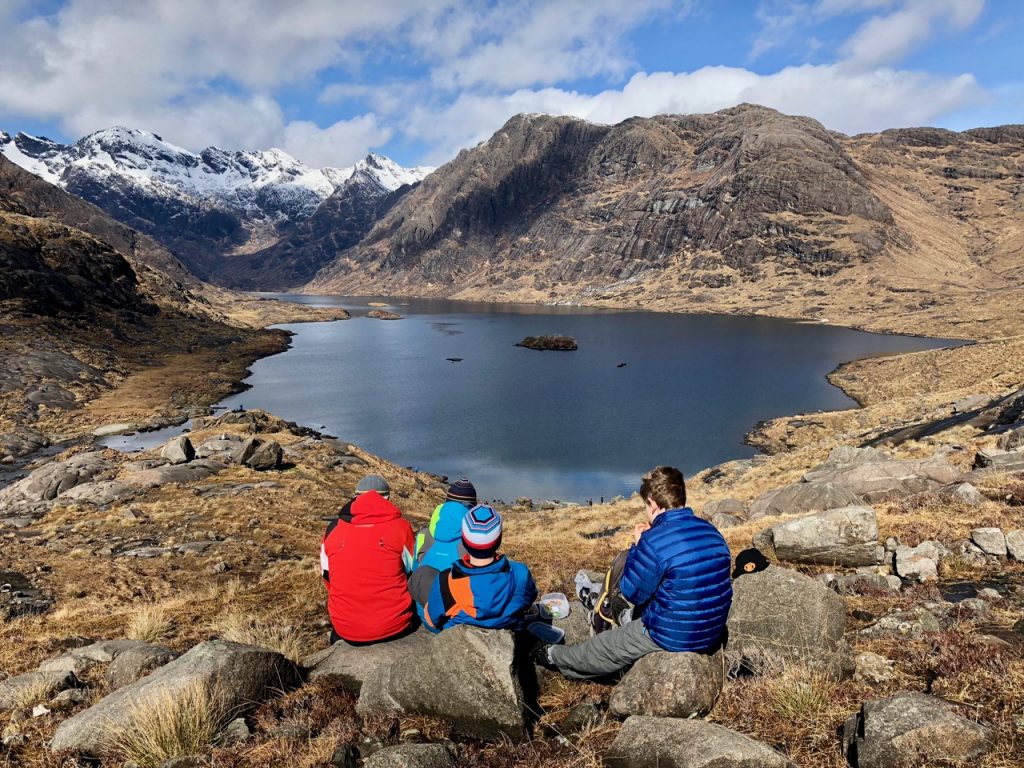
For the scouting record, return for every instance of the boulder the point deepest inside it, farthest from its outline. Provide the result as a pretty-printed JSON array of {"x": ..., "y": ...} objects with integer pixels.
[
  {"x": 480, "y": 694},
  {"x": 1006, "y": 461},
  {"x": 178, "y": 450},
  {"x": 668, "y": 742},
  {"x": 912, "y": 729},
  {"x": 1015, "y": 545},
  {"x": 78, "y": 660},
  {"x": 891, "y": 479},
  {"x": 351, "y": 664},
  {"x": 245, "y": 451},
  {"x": 802, "y": 497},
  {"x": 136, "y": 662},
  {"x": 411, "y": 756},
  {"x": 964, "y": 492},
  {"x": 151, "y": 477},
  {"x": 670, "y": 685},
  {"x": 990, "y": 540},
  {"x": 721, "y": 520},
  {"x": 846, "y": 536},
  {"x": 99, "y": 493},
  {"x": 781, "y": 617},
  {"x": 843, "y": 457},
  {"x": 873, "y": 669},
  {"x": 244, "y": 675},
  {"x": 863, "y": 583},
  {"x": 266, "y": 456},
  {"x": 920, "y": 563},
  {"x": 733, "y": 507},
  {"x": 13, "y": 690}
]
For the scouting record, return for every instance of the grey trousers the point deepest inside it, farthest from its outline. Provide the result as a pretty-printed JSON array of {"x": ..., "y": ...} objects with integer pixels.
[{"x": 604, "y": 654}]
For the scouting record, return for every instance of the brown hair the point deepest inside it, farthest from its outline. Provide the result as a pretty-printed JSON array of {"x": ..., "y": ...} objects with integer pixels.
[{"x": 665, "y": 485}]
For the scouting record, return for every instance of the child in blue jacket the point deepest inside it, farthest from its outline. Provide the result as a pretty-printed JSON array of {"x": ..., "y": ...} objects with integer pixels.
[
  {"x": 484, "y": 588},
  {"x": 439, "y": 545}
]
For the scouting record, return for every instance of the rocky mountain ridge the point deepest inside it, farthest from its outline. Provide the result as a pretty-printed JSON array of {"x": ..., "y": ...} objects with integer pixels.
[
  {"x": 199, "y": 205},
  {"x": 746, "y": 210}
]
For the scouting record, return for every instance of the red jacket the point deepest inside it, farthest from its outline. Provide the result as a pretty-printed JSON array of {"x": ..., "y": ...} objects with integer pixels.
[{"x": 365, "y": 565}]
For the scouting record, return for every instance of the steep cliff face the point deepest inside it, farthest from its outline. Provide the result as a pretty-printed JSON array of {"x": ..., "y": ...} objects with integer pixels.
[{"x": 744, "y": 210}]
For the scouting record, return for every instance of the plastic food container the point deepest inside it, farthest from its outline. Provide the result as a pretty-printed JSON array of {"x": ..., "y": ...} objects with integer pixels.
[{"x": 554, "y": 605}]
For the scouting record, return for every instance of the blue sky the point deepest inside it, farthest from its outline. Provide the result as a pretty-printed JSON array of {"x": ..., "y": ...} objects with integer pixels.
[{"x": 328, "y": 80}]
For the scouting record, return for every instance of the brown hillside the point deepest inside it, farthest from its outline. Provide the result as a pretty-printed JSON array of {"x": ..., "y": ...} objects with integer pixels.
[{"x": 745, "y": 210}]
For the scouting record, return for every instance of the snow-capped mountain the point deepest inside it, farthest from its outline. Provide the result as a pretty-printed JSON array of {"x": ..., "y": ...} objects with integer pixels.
[{"x": 203, "y": 206}]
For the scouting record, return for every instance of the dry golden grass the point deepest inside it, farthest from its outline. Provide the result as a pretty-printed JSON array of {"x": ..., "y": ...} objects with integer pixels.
[
  {"x": 150, "y": 624},
  {"x": 239, "y": 628},
  {"x": 173, "y": 724}
]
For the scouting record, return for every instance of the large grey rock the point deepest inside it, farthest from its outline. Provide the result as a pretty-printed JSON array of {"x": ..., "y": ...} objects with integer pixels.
[
  {"x": 178, "y": 450},
  {"x": 244, "y": 675},
  {"x": 846, "y": 536},
  {"x": 990, "y": 540},
  {"x": 134, "y": 663},
  {"x": 1007, "y": 461},
  {"x": 35, "y": 493},
  {"x": 882, "y": 480},
  {"x": 668, "y": 742},
  {"x": 99, "y": 493},
  {"x": 802, "y": 497},
  {"x": 266, "y": 456},
  {"x": 920, "y": 563},
  {"x": 782, "y": 617},
  {"x": 78, "y": 660},
  {"x": 964, "y": 492},
  {"x": 22, "y": 441},
  {"x": 670, "y": 685},
  {"x": 733, "y": 507},
  {"x": 411, "y": 756},
  {"x": 465, "y": 675},
  {"x": 351, "y": 664},
  {"x": 1015, "y": 545},
  {"x": 41, "y": 684},
  {"x": 913, "y": 729},
  {"x": 721, "y": 521},
  {"x": 181, "y": 474},
  {"x": 843, "y": 457}
]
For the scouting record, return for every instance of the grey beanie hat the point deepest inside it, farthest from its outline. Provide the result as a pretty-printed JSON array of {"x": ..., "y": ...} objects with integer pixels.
[{"x": 374, "y": 483}]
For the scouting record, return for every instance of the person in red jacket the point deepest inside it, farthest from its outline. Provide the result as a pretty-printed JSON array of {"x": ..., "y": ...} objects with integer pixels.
[{"x": 366, "y": 558}]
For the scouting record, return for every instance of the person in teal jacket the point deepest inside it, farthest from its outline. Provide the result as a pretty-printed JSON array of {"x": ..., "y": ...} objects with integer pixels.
[
  {"x": 440, "y": 543},
  {"x": 484, "y": 588}
]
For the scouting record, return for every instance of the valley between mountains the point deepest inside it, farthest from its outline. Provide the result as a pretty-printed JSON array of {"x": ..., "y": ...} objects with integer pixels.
[{"x": 122, "y": 264}]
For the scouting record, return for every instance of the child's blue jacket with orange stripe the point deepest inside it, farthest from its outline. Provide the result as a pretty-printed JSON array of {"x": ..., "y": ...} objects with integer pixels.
[{"x": 494, "y": 596}]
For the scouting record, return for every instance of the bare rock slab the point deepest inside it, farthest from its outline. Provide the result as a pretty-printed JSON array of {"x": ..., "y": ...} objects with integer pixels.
[
  {"x": 802, "y": 497},
  {"x": 846, "y": 536},
  {"x": 411, "y": 756},
  {"x": 664, "y": 742},
  {"x": 244, "y": 674},
  {"x": 670, "y": 685},
  {"x": 467, "y": 676},
  {"x": 876, "y": 481},
  {"x": 781, "y": 617},
  {"x": 352, "y": 664},
  {"x": 912, "y": 729}
]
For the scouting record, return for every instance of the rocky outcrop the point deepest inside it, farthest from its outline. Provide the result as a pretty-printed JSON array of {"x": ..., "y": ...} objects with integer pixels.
[
  {"x": 243, "y": 675},
  {"x": 920, "y": 563},
  {"x": 847, "y": 536},
  {"x": 912, "y": 729},
  {"x": 178, "y": 450},
  {"x": 480, "y": 694},
  {"x": 34, "y": 495},
  {"x": 670, "y": 685},
  {"x": 383, "y": 314},
  {"x": 875, "y": 481},
  {"x": 780, "y": 617},
  {"x": 411, "y": 756},
  {"x": 659, "y": 742},
  {"x": 799, "y": 498},
  {"x": 350, "y": 665},
  {"x": 259, "y": 454}
]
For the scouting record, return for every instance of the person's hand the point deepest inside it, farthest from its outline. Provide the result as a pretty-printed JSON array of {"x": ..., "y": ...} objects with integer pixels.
[{"x": 638, "y": 531}]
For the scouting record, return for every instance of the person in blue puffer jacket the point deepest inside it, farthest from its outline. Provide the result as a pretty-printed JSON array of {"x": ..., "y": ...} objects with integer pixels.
[
  {"x": 484, "y": 588},
  {"x": 677, "y": 575}
]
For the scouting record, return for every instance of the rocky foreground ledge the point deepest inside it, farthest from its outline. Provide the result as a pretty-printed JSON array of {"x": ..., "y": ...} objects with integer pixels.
[{"x": 184, "y": 579}]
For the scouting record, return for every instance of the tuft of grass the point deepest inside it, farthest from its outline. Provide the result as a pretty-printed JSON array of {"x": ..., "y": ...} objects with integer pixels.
[
  {"x": 36, "y": 692},
  {"x": 150, "y": 624},
  {"x": 172, "y": 724},
  {"x": 799, "y": 693},
  {"x": 240, "y": 628}
]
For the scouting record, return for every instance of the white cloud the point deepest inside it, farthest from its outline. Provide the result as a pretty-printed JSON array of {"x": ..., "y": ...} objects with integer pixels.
[{"x": 340, "y": 144}]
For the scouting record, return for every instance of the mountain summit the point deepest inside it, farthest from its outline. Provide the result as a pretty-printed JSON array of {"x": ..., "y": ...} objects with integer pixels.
[{"x": 202, "y": 206}]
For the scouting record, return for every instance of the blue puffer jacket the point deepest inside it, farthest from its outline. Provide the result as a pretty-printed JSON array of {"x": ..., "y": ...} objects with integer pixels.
[
  {"x": 680, "y": 573},
  {"x": 494, "y": 596}
]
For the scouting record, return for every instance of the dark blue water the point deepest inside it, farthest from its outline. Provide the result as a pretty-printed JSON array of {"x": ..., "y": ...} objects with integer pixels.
[{"x": 562, "y": 425}]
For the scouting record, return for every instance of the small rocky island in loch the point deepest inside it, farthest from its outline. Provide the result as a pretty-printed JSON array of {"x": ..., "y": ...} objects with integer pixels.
[{"x": 553, "y": 343}]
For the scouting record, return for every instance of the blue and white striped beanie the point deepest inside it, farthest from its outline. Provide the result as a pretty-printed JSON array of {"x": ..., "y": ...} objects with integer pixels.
[{"x": 481, "y": 531}]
